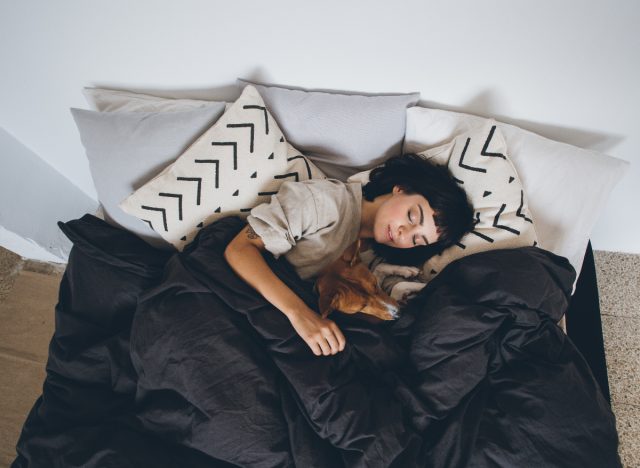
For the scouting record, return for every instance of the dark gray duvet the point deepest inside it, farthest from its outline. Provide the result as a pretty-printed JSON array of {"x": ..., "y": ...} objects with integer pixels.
[{"x": 163, "y": 360}]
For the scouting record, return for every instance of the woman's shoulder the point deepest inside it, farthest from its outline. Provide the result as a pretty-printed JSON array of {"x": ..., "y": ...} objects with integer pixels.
[
  {"x": 328, "y": 184},
  {"x": 333, "y": 191},
  {"x": 325, "y": 182},
  {"x": 331, "y": 199},
  {"x": 319, "y": 192}
]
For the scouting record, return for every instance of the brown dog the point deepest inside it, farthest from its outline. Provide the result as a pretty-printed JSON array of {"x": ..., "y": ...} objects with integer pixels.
[{"x": 347, "y": 285}]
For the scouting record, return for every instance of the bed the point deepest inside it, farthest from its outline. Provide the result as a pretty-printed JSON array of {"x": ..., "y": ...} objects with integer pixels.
[
  {"x": 176, "y": 363},
  {"x": 166, "y": 358}
]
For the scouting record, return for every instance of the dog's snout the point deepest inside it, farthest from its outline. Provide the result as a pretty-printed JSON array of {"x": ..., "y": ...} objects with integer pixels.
[
  {"x": 349, "y": 287},
  {"x": 391, "y": 306},
  {"x": 393, "y": 310}
]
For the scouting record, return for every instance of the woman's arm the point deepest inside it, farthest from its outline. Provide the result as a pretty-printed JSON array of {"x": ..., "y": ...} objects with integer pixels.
[{"x": 244, "y": 255}]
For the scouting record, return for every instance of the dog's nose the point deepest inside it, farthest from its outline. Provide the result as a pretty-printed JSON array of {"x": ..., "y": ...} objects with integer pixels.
[{"x": 393, "y": 311}]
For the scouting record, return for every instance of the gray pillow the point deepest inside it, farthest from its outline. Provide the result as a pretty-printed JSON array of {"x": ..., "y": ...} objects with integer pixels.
[
  {"x": 127, "y": 149},
  {"x": 341, "y": 133}
]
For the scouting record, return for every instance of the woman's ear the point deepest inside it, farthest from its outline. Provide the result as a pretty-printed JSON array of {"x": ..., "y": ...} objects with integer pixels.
[{"x": 398, "y": 189}]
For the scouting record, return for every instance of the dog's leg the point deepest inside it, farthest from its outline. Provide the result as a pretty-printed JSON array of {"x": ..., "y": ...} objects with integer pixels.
[
  {"x": 405, "y": 290},
  {"x": 383, "y": 270}
]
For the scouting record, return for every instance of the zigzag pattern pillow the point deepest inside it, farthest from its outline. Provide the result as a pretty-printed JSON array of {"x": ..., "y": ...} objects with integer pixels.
[
  {"x": 234, "y": 166},
  {"x": 479, "y": 161}
]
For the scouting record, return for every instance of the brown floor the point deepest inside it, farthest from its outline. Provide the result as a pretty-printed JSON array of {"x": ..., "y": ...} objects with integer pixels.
[
  {"x": 27, "y": 318},
  {"x": 29, "y": 290}
]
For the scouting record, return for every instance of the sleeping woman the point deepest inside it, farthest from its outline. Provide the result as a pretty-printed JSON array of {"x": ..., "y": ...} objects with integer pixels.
[{"x": 409, "y": 211}]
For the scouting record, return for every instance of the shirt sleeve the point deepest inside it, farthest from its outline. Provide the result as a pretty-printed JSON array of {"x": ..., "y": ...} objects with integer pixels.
[{"x": 290, "y": 216}]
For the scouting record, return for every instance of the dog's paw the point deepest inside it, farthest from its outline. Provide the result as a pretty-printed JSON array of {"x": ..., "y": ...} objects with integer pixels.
[
  {"x": 398, "y": 270},
  {"x": 405, "y": 290},
  {"x": 384, "y": 270}
]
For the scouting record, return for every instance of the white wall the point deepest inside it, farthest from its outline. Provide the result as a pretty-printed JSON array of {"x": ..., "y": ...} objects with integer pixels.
[
  {"x": 566, "y": 69},
  {"x": 34, "y": 198}
]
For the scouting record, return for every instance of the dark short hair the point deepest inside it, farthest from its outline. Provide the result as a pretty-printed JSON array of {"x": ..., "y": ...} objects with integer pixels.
[{"x": 453, "y": 214}]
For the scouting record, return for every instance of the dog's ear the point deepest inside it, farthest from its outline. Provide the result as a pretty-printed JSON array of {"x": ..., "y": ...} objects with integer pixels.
[
  {"x": 325, "y": 303},
  {"x": 350, "y": 255},
  {"x": 356, "y": 251},
  {"x": 325, "y": 288}
]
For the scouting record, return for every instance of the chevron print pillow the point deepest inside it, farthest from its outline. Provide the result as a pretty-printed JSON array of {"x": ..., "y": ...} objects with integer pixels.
[
  {"x": 479, "y": 161},
  {"x": 234, "y": 166}
]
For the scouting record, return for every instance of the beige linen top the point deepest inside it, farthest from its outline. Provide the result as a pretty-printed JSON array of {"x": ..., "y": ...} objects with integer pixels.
[{"x": 310, "y": 222}]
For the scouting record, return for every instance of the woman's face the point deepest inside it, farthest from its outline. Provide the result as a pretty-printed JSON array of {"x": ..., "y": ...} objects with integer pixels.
[{"x": 404, "y": 221}]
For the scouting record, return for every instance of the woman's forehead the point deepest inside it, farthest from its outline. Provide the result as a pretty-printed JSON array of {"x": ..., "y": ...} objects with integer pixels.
[{"x": 416, "y": 198}]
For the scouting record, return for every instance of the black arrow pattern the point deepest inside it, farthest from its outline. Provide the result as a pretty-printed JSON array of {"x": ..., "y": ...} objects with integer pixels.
[
  {"x": 479, "y": 162},
  {"x": 234, "y": 145},
  {"x": 486, "y": 146},
  {"x": 520, "y": 212},
  {"x": 162, "y": 211},
  {"x": 266, "y": 117},
  {"x": 306, "y": 163},
  {"x": 216, "y": 164},
  {"x": 242, "y": 157},
  {"x": 496, "y": 221},
  {"x": 198, "y": 187},
  {"x": 178, "y": 197},
  {"x": 466, "y": 166},
  {"x": 251, "y": 128}
]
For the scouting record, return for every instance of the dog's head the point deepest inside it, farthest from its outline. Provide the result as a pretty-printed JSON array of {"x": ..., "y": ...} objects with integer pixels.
[{"x": 348, "y": 286}]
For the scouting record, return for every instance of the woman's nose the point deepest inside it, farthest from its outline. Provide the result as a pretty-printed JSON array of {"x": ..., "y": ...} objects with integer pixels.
[
  {"x": 409, "y": 231},
  {"x": 404, "y": 231}
]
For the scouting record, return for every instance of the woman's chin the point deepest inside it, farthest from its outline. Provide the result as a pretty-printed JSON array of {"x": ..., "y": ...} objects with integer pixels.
[
  {"x": 382, "y": 239},
  {"x": 382, "y": 236},
  {"x": 385, "y": 241}
]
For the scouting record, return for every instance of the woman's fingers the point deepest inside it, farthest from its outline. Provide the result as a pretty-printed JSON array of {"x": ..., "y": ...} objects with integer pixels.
[
  {"x": 326, "y": 348},
  {"x": 335, "y": 337},
  {"x": 332, "y": 340},
  {"x": 323, "y": 336},
  {"x": 315, "y": 347},
  {"x": 339, "y": 336}
]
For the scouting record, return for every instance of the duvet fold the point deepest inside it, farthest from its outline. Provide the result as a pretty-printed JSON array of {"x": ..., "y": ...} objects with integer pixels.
[{"x": 171, "y": 360}]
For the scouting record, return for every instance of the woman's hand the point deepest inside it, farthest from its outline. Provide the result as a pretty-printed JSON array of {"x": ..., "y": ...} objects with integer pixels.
[
  {"x": 244, "y": 255},
  {"x": 322, "y": 335}
]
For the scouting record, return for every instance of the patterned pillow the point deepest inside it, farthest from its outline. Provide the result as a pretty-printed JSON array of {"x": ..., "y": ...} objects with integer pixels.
[
  {"x": 563, "y": 225},
  {"x": 234, "y": 166},
  {"x": 479, "y": 161}
]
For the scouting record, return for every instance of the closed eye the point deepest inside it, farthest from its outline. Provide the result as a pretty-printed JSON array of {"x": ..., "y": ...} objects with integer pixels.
[
  {"x": 426, "y": 242},
  {"x": 411, "y": 222}
]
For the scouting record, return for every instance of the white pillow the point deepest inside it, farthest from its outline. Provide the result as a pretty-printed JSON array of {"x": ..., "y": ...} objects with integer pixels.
[
  {"x": 113, "y": 100},
  {"x": 234, "y": 166},
  {"x": 566, "y": 186},
  {"x": 479, "y": 161}
]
